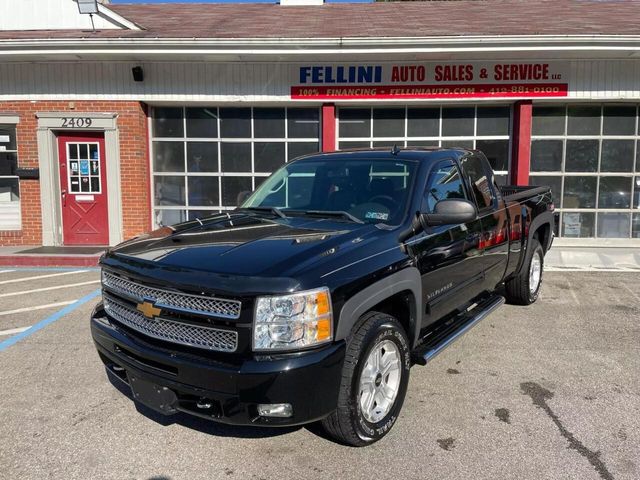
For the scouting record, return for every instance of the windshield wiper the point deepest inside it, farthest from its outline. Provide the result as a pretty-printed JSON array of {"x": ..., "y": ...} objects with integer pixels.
[
  {"x": 328, "y": 213},
  {"x": 274, "y": 210}
]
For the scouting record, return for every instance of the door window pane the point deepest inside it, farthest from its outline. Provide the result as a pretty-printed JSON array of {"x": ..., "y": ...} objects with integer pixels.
[
  {"x": 635, "y": 225},
  {"x": 582, "y": 156},
  {"x": 389, "y": 143},
  {"x": 268, "y": 156},
  {"x": 619, "y": 120},
  {"x": 423, "y": 143},
  {"x": 202, "y": 156},
  {"x": 457, "y": 122},
  {"x": 578, "y": 225},
  {"x": 493, "y": 121},
  {"x": 236, "y": 157},
  {"x": 579, "y": 192},
  {"x": 202, "y": 122},
  {"x": 444, "y": 182},
  {"x": 169, "y": 190},
  {"x": 636, "y": 193},
  {"x": 355, "y": 122},
  {"x": 268, "y": 122},
  {"x": 354, "y": 144},
  {"x": 548, "y": 121},
  {"x": 497, "y": 152},
  {"x": 615, "y": 192},
  {"x": 203, "y": 191},
  {"x": 232, "y": 187},
  {"x": 583, "y": 120},
  {"x": 303, "y": 123},
  {"x": 476, "y": 177},
  {"x": 168, "y": 156},
  {"x": 9, "y": 134},
  {"x": 613, "y": 225},
  {"x": 388, "y": 122},
  {"x": 235, "y": 122},
  {"x": 9, "y": 190},
  {"x": 617, "y": 156},
  {"x": 457, "y": 143},
  {"x": 423, "y": 122},
  {"x": 546, "y": 155},
  {"x": 297, "y": 149},
  {"x": 555, "y": 182},
  {"x": 167, "y": 122}
]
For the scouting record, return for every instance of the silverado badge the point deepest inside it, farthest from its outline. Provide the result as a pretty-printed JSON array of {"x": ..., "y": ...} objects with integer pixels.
[{"x": 148, "y": 309}]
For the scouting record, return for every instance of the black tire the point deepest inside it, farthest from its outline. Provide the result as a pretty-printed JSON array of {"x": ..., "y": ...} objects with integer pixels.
[
  {"x": 518, "y": 291},
  {"x": 347, "y": 424}
]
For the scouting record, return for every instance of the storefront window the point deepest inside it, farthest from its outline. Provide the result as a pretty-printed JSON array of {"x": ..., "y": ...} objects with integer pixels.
[
  {"x": 204, "y": 157},
  {"x": 484, "y": 128},
  {"x": 10, "y": 216},
  {"x": 587, "y": 154}
]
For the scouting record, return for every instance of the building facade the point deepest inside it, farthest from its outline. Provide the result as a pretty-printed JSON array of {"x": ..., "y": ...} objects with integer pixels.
[{"x": 107, "y": 134}]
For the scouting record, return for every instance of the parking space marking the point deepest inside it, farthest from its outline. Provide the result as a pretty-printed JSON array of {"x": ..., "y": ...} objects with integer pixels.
[
  {"x": 38, "y": 277},
  {"x": 13, "y": 331},
  {"x": 50, "y": 319},
  {"x": 38, "y": 307},
  {"x": 6, "y": 271},
  {"x": 57, "y": 287}
]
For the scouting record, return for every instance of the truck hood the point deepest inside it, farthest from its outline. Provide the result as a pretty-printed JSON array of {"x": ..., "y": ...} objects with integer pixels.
[{"x": 241, "y": 244}]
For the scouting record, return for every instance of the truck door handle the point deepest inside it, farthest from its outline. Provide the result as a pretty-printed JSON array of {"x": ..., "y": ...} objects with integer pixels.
[{"x": 64, "y": 198}]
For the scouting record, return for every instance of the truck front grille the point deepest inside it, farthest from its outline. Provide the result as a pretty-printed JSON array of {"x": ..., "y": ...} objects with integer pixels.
[
  {"x": 177, "y": 301},
  {"x": 164, "y": 329}
]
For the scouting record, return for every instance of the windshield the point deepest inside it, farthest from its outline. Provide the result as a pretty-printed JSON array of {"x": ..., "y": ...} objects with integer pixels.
[{"x": 372, "y": 191}]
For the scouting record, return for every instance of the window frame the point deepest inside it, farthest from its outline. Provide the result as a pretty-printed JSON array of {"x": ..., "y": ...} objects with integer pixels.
[{"x": 433, "y": 168}]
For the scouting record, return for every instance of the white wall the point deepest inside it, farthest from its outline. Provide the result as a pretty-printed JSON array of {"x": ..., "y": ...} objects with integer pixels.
[{"x": 47, "y": 15}]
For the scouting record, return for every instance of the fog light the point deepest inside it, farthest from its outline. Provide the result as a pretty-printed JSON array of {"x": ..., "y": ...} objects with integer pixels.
[{"x": 275, "y": 410}]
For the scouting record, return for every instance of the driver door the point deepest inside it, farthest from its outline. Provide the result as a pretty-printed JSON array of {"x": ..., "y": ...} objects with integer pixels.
[{"x": 447, "y": 255}]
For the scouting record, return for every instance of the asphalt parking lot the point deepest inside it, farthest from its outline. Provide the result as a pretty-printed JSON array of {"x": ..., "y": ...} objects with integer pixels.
[{"x": 550, "y": 391}]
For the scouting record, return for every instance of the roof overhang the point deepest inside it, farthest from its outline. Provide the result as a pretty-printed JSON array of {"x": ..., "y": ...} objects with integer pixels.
[{"x": 295, "y": 49}]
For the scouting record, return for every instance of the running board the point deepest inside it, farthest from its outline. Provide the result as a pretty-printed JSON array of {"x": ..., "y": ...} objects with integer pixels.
[{"x": 446, "y": 332}]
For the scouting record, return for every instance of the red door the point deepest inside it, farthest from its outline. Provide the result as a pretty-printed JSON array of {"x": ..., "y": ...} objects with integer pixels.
[{"x": 83, "y": 188}]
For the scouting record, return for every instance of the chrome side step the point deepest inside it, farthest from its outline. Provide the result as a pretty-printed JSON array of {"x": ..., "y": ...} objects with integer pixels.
[{"x": 446, "y": 333}]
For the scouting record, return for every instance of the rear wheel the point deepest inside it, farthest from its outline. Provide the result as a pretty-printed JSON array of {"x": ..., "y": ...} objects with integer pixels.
[
  {"x": 525, "y": 288},
  {"x": 374, "y": 382}
]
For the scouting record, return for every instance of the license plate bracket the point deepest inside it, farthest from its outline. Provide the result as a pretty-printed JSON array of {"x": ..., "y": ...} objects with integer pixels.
[{"x": 161, "y": 399}]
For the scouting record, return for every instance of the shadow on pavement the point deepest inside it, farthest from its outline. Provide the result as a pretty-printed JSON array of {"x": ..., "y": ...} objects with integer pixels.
[{"x": 200, "y": 424}]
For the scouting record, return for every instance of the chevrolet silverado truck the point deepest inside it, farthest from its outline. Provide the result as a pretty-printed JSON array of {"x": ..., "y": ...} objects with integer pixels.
[{"x": 312, "y": 300}]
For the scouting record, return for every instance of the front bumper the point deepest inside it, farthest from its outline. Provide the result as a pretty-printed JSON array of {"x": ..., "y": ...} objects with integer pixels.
[{"x": 224, "y": 392}]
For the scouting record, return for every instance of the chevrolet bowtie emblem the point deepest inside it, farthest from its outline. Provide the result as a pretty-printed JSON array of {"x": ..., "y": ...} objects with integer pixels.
[{"x": 148, "y": 309}]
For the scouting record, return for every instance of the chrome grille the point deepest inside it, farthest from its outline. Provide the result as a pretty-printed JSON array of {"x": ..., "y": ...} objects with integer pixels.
[
  {"x": 177, "y": 332},
  {"x": 181, "y": 302}
]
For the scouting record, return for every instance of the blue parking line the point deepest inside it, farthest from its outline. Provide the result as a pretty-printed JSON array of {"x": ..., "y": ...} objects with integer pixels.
[{"x": 50, "y": 319}]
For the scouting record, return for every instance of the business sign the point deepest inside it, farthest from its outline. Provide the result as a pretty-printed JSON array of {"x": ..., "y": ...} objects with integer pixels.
[{"x": 430, "y": 81}]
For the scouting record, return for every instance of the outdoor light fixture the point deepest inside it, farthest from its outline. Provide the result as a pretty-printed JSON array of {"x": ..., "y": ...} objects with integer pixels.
[{"x": 88, "y": 6}]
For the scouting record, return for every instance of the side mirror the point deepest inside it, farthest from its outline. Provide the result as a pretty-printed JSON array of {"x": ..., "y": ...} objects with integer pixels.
[
  {"x": 451, "y": 211},
  {"x": 242, "y": 196}
]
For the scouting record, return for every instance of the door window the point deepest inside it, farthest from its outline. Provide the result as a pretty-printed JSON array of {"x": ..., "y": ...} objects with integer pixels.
[
  {"x": 476, "y": 175},
  {"x": 444, "y": 182},
  {"x": 83, "y": 167}
]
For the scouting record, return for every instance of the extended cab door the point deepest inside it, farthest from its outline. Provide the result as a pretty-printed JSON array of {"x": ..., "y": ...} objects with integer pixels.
[
  {"x": 447, "y": 255},
  {"x": 494, "y": 242}
]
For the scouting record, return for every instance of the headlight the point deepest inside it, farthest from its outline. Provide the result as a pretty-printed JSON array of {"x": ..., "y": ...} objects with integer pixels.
[{"x": 288, "y": 322}]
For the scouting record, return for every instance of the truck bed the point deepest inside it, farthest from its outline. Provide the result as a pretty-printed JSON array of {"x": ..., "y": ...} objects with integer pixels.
[{"x": 514, "y": 193}]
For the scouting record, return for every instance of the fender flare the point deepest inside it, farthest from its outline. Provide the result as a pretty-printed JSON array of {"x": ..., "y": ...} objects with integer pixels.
[
  {"x": 407, "y": 279},
  {"x": 544, "y": 218}
]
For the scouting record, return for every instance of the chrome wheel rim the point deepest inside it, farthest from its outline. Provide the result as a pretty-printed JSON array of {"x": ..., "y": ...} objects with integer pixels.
[
  {"x": 380, "y": 381},
  {"x": 535, "y": 273}
]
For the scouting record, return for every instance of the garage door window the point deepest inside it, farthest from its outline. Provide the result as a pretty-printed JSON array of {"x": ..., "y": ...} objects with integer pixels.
[
  {"x": 589, "y": 156},
  {"x": 203, "y": 157},
  {"x": 9, "y": 184},
  {"x": 479, "y": 127}
]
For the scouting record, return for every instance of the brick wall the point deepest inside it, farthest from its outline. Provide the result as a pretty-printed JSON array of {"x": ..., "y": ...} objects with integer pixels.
[{"x": 134, "y": 164}]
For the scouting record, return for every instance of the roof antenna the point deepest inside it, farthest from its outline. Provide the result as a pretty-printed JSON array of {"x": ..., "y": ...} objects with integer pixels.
[{"x": 395, "y": 150}]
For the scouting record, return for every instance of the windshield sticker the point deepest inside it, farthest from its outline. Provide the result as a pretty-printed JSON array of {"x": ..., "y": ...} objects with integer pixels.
[{"x": 377, "y": 215}]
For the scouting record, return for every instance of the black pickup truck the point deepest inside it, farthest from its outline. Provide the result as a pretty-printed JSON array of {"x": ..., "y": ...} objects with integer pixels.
[{"x": 312, "y": 301}]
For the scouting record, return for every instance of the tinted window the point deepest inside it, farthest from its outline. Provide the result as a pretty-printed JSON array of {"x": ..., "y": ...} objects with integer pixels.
[
  {"x": 444, "y": 182},
  {"x": 478, "y": 180}
]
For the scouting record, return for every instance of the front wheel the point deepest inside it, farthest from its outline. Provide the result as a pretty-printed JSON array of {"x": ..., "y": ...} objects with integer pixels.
[
  {"x": 374, "y": 382},
  {"x": 525, "y": 288}
]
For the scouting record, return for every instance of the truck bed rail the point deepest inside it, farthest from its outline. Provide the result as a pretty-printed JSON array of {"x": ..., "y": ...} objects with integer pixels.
[{"x": 512, "y": 193}]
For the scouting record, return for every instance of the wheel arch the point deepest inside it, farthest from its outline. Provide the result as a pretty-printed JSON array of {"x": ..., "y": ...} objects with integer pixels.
[{"x": 399, "y": 294}]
